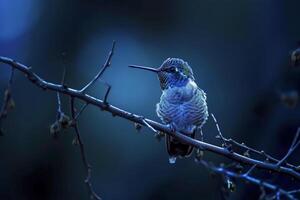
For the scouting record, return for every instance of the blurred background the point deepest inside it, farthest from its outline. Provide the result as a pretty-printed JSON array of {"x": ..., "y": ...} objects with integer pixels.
[{"x": 239, "y": 51}]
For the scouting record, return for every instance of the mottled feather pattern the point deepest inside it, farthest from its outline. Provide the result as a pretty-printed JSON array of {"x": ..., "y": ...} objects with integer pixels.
[{"x": 185, "y": 107}]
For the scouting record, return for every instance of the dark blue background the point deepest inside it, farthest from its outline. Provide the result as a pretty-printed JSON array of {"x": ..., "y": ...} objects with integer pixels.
[{"x": 239, "y": 51}]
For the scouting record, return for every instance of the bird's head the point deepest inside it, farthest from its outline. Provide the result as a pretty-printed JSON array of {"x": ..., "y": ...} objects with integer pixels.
[{"x": 174, "y": 72}]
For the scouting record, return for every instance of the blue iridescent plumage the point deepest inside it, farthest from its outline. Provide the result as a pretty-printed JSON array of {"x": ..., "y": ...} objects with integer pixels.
[{"x": 182, "y": 103}]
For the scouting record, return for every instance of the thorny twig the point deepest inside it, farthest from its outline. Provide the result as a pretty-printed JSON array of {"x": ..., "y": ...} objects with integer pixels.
[
  {"x": 75, "y": 116},
  {"x": 278, "y": 192},
  {"x": 148, "y": 125},
  {"x": 137, "y": 119},
  {"x": 62, "y": 120},
  {"x": 268, "y": 158},
  {"x": 248, "y": 178},
  {"x": 8, "y": 102},
  {"x": 156, "y": 127},
  {"x": 292, "y": 148},
  {"x": 6, "y": 106},
  {"x": 98, "y": 75},
  {"x": 59, "y": 109},
  {"x": 81, "y": 110},
  {"x": 86, "y": 164}
]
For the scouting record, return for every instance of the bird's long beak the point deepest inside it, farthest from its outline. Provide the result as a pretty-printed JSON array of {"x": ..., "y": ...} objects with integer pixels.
[{"x": 145, "y": 68}]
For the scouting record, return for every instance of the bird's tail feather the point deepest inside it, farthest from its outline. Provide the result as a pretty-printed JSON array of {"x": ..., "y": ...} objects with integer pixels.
[{"x": 176, "y": 148}]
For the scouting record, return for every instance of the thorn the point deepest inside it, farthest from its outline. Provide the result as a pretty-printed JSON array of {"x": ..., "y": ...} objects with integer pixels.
[
  {"x": 228, "y": 147},
  {"x": 55, "y": 128},
  {"x": 199, "y": 155},
  {"x": 247, "y": 153},
  {"x": 159, "y": 135},
  {"x": 75, "y": 141},
  {"x": 138, "y": 126},
  {"x": 65, "y": 121},
  {"x": 230, "y": 184}
]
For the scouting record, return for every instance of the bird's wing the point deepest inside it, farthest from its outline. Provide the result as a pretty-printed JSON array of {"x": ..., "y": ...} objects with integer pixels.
[{"x": 197, "y": 108}]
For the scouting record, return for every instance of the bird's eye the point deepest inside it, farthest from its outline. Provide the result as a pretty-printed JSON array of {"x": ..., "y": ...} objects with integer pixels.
[{"x": 172, "y": 69}]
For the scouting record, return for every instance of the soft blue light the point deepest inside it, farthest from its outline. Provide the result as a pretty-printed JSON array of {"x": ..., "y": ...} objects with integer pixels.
[
  {"x": 17, "y": 17},
  {"x": 129, "y": 86}
]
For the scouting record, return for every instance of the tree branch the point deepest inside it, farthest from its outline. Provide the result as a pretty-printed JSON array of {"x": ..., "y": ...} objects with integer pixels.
[
  {"x": 115, "y": 111},
  {"x": 8, "y": 102},
  {"x": 228, "y": 143},
  {"x": 87, "y": 166},
  {"x": 292, "y": 148},
  {"x": 247, "y": 178},
  {"x": 99, "y": 74}
]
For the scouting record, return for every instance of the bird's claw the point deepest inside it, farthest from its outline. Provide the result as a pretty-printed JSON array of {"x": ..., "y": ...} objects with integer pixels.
[{"x": 172, "y": 127}]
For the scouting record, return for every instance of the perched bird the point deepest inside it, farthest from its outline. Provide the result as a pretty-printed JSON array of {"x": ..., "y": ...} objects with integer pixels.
[{"x": 182, "y": 104}]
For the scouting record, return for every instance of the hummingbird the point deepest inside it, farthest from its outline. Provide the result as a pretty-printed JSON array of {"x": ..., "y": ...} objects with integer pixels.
[{"x": 182, "y": 104}]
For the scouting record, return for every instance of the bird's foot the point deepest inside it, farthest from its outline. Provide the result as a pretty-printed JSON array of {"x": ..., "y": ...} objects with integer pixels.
[
  {"x": 172, "y": 127},
  {"x": 172, "y": 159}
]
